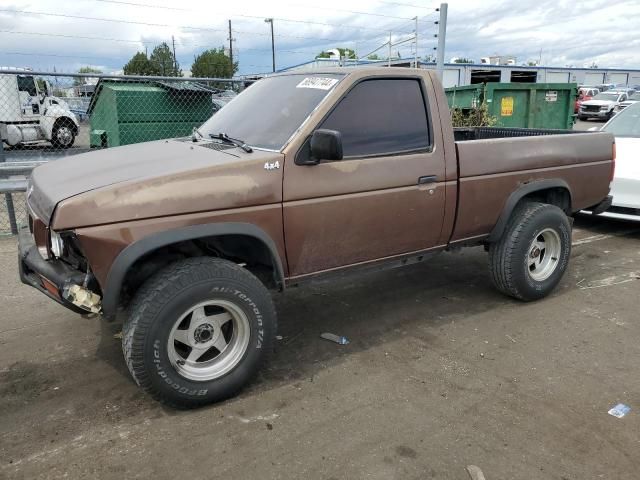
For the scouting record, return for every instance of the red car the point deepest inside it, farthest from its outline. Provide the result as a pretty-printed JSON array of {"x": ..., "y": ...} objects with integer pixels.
[{"x": 584, "y": 94}]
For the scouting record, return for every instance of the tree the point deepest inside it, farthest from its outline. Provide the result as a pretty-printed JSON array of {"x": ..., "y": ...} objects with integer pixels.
[
  {"x": 344, "y": 53},
  {"x": 163, "y": 60},
  {"x": 82, "y": 81},
  {"x": 140, "y": 65},
  {"x": 373, "y": 56},
  {"x": 213, "y": 63},
  {"x": 462, "y": 60}
]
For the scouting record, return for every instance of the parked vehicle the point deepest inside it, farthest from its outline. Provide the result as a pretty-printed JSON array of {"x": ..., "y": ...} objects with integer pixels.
[
  {"x": 584, "y": 95},
  {"x": 30, "y": 115},
  {"x": 601, "y": 106},
  {"x": 603, "y": 87},
  {"x": 302, "y": 176},
  {"x": 625, "y": 187},
  {"x": 633, "y": 98}
]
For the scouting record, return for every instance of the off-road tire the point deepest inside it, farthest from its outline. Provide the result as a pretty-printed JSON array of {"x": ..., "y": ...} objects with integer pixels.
[
  {"x": 508, "y": 258},
  {"x": 156, "y": 307}
]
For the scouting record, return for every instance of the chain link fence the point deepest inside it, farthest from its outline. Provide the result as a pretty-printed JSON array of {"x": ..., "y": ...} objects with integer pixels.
[{"x": 46, "y": 117}]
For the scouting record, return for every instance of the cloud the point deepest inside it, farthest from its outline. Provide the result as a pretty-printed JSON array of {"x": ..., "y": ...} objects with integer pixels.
[{"x": 562, "y": 32}]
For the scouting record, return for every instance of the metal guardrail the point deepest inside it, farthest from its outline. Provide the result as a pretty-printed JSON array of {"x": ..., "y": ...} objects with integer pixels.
[{"x": 13, "y": 180}]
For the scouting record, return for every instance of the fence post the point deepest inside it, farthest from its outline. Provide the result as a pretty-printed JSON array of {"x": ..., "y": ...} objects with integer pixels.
[{"x": 11, "y": 211}]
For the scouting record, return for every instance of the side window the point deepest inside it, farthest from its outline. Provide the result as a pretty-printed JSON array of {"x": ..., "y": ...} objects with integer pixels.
[
  {"x": 26, "y": 84},
  {"x": 380, "y": 117}
]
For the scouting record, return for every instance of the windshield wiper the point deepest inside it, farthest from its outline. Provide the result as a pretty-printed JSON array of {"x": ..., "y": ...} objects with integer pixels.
[{"x": 233, "y": 141}]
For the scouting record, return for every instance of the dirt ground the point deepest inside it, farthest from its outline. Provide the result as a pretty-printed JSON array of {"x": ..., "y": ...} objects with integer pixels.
[{"x": 441, "y": 372}]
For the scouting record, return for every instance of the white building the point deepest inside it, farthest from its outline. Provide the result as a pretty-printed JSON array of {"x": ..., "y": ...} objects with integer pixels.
[{"x": 457, "y": 74}]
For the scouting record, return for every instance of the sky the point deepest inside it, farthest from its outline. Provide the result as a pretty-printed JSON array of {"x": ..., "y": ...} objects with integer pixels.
[{"x": 67, "y": 35}]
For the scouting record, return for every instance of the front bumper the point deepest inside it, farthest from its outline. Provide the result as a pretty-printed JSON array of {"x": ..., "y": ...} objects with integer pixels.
[
  {"x": 47, "y": 276},
  {"x": 599, "y": 114}
]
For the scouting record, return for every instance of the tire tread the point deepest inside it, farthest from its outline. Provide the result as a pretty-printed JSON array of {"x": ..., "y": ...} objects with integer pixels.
[{"x": 156, "y": 292}]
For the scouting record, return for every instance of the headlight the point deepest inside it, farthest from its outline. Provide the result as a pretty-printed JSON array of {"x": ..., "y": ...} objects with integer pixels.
[
  {"x": 57, "y": 244},
  {"x": 604, "y": 107}
]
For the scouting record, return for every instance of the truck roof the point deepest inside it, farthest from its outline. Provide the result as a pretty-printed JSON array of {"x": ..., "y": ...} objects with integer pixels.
[{"x": 360, "y": 71}]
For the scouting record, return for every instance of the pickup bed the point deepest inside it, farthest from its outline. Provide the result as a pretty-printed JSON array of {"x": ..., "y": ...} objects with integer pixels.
[{"x": 303, "y": 175}]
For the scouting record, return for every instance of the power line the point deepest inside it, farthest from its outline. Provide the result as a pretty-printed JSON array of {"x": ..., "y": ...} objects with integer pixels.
[
  {"x": 310, "y": 50},
  {"x": 258, "y": 17},
  {"x": 101, "y": 58},
  {"x": 78, "y": 17},
  {"x": 149, "y": 24},
  {"x": 404, "y": 4},
  {"x": 149, "y": 42}
]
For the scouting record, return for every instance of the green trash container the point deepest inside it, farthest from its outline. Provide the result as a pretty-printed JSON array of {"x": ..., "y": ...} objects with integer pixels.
[
  {"x": 520, "y": 105},
  {"x": 465, "y": 97},
  {"x": 130, "y": 111}
]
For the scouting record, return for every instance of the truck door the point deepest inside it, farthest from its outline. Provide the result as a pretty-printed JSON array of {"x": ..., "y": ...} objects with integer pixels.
[
  {"x": 28, "y": 94},
  {"x": 385, "y": 198}
]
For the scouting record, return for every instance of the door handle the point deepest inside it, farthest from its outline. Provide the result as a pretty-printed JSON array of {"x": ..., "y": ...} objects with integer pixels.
[{"x": 427, "y": 179}]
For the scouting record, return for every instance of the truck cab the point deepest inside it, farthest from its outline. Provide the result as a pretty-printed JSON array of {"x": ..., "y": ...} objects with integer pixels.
[{"x": 29, "y": 114}]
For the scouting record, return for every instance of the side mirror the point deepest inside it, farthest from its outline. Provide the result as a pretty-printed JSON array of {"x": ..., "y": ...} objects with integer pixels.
[{"x": 326, "y": 145}]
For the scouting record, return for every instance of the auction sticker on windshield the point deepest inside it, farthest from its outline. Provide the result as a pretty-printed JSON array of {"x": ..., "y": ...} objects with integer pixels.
[{"x": 317, "y": 82}]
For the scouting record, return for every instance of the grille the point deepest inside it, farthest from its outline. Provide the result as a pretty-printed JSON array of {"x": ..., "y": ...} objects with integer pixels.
[{"x": 591, "y": 108}]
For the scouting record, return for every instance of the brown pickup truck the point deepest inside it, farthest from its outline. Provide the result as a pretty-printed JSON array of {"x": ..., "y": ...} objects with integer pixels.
[{"x": 302, "y": 175}]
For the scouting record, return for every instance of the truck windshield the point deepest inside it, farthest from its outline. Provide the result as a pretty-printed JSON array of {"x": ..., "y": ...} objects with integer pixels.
[{"x": 267, "y": 113}]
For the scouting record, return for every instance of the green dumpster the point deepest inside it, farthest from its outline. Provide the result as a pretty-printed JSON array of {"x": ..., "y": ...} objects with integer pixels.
[
  {"x": 521, "y": 105},
  {"x": 126, "y": 112}
]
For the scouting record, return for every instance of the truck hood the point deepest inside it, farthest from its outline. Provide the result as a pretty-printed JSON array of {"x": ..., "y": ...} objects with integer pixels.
[
  {"x": 600, "y": 103},
  {"x": 166, "y": 177}
]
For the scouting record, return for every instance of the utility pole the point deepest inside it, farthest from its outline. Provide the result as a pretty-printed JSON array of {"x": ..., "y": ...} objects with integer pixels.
[
  {"x": 416, "y": 55},
  {"x": 273, "y": 45},
  {"x": 389, "y": 57},
  {"x": 231, "y": 47},
  {"x": 442, "y": 33},
  {"x": 175, "y": 61}
]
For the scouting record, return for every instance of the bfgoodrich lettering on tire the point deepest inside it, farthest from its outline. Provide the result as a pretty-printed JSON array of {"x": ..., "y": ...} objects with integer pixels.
[
  {"x": 532, "y": 255},
  {"x": 198, "y": 331}
]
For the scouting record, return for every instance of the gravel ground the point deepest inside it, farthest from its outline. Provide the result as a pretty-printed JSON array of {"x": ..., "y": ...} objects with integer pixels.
[{"x": 441, "y": 372}]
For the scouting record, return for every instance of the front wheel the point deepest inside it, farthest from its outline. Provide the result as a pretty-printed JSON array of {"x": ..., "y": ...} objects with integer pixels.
[
  {"x": 531, "y": 257},
  {"x": 63, "y": 135},
  {"x": 198, "y": 331}
]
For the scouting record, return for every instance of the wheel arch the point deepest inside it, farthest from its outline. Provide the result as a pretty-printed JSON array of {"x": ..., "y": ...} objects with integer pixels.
[
  {"x": 552, "y": 191},
  {"x": 136, "y": 251},
  {"x": 66, "y": 120}
]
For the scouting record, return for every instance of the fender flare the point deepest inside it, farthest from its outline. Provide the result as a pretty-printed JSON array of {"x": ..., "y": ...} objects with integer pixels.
[
  {"x": 515, "y": 197},
  {"x": 127, "y": 257},
  {"x": 66, "y": 118}
]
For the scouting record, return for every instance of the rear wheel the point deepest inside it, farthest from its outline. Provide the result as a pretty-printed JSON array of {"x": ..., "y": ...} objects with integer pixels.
[
  {"x": 198, "y": 331},
  {"x": 531, "y": 257}
]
